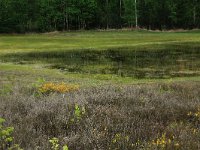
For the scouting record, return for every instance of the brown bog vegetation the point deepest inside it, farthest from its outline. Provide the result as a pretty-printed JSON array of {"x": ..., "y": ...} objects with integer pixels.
[{"x": 149, "y": 116}]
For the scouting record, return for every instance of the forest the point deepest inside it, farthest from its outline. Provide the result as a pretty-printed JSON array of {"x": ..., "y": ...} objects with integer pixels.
[{"x": 21, "y": 16}]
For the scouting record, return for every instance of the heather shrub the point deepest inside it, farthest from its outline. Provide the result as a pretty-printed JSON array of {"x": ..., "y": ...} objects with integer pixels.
[{"x": 150, "y": 116}]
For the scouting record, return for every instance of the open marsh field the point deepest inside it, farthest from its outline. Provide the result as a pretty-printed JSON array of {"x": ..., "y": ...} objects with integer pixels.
[
  {"x": 124, "y": 54},
  {"x": 100, "y": 90}
]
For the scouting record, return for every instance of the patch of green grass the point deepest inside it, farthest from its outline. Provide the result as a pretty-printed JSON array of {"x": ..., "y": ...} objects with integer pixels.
[
  {"x": 92, "y": 39},
  {"x": 26, "y": 75}
]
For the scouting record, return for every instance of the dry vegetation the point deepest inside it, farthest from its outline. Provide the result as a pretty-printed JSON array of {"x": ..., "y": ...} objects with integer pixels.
[{"x": 150, "y": 116}]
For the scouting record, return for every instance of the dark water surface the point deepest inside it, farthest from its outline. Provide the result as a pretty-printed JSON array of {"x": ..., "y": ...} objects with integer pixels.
[{"x": 167, "y": 62}]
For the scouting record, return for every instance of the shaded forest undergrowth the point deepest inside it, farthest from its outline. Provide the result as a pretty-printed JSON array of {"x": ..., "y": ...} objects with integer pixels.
[{"x": 148, "y": 116}]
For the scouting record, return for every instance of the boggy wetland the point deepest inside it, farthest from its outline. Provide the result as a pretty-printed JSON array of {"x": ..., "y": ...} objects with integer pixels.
[
  {"x": 92, "y": 90},
  {"x": 164, "y": 62}
]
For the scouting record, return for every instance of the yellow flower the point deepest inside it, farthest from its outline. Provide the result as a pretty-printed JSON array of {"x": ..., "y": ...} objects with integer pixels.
[
  {"x": 162, "y": 141},
  {"x": 169, "y": 141},
  {"x": 177, "y": 145},
  {"x": 195, "y": 131},
  {"x": 190, "y": 113},
  {"x": 59, "y": 88}
]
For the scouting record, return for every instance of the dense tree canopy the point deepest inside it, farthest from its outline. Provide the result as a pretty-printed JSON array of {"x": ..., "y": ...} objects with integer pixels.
[{"x": 50, "y": 15}]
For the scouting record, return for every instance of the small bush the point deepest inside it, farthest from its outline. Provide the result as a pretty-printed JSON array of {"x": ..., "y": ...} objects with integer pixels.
[
  {"x": 6, "y": 139},
  {"x": 59, "y": 88}
]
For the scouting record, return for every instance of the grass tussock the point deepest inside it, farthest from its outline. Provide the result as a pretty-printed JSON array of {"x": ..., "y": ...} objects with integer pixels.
[{"x": 156, "y": 116}]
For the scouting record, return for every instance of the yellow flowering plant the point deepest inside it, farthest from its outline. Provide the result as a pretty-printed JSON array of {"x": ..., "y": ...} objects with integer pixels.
[
  {"x": 50, "y": 87},
  {"x": 164, "y": 142},
  {"x": 194, "y": 117},
  {"x": 195, "y": 114}
]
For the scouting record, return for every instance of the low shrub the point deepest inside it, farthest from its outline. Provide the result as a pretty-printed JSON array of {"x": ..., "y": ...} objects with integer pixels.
[{"x": 106, "y": 117}]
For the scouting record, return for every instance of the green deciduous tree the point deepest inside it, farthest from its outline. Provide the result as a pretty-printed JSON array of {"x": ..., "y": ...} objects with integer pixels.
[{"x": 51, "y": 15}]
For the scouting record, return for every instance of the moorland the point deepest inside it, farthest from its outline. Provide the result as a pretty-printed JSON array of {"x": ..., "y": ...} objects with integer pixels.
[{"x": 100, "y": 90}]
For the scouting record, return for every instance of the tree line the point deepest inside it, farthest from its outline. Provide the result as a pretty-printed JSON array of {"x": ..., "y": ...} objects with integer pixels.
[{"x": 50, "y": 15}]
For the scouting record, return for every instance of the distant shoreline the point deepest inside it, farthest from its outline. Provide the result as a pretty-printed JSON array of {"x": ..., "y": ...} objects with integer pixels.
[{"x": 108, "y": 30}]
